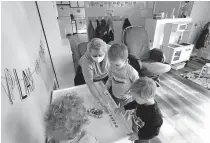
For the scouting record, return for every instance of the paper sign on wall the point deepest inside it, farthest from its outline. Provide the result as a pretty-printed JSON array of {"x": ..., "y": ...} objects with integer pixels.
[
  {"x": 23, "y": 81},
  {"x": 112, "y": 3}
]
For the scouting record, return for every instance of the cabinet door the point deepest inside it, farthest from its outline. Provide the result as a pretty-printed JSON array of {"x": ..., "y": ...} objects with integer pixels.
[
  {"x": 167, "y": 7},
  {"x": 186, "y": 52}
]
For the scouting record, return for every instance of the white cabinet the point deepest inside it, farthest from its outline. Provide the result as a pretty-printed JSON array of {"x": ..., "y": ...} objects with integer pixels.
[
  {"x": 155, "y": 29},
  {"x": 175, "y": 53}
]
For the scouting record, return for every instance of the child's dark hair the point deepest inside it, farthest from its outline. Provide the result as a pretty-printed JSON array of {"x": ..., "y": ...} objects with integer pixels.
[{"x": 118, "y": 51}]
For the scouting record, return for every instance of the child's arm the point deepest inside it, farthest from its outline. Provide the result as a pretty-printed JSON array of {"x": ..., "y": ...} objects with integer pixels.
[
  {"x": 134, "y": 75},
  {"x": 131, "y": 105}
]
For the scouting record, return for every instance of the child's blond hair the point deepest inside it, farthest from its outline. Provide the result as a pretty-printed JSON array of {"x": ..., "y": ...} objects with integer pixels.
[
  {"x": 145, "y": 87},
  {"x": 118, "y": 51}
]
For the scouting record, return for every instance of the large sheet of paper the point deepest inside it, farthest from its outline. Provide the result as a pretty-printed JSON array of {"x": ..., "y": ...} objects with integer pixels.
[{"x": 111, "y": 127}]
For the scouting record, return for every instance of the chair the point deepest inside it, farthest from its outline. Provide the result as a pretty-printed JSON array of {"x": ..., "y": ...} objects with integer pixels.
[
  {"x": 205, "y": 68},
  {"x": 136, "y": 39}
]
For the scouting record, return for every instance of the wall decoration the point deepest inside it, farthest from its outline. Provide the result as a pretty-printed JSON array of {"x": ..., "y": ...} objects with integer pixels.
[
  {"x": 42, "y": 49},
  {"x": 109, "y": 12},
  {"x": 81, "y": 26},
  {"x": 26, "y": 81},
  {"x": 10, "y": 99},
  {"x": 10, "y": 83},
  {"x": 185, "y": 9},
  {"x": 37, "y": 67},
  {"x": 111, "y": 4},
  {"x": 25, "y": 85}
]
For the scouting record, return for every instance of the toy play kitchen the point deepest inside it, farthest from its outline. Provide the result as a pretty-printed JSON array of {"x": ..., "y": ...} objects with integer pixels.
[
  {"x": 167, "y": 34},
  {"x": 175, "y": 50}
]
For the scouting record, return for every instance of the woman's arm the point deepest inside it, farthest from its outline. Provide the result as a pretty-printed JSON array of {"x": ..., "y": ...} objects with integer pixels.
[
  {"x": 109, "y": 81},
  {"x": 93, "y": 90},
  {"x": 88, "y": 76}
]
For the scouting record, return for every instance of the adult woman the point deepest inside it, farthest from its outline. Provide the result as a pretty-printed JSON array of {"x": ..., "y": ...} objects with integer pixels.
[
  {"x": 64, "y": 120},
  {"x": 94, "y": 65}
]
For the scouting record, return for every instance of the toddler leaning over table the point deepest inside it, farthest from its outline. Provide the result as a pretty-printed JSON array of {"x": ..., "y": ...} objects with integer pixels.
[
  {"x": 121, "y": 73},
  {"x": 146, "y": 118},
  {"x": 65, "y": 118}
]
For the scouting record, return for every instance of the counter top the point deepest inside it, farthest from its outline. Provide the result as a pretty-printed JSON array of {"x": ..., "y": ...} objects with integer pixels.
[{"x": 104, "y": 129}]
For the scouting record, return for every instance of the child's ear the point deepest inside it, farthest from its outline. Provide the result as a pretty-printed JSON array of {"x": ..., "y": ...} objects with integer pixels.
[
  {"x": 88, "y": 47},
  {"x": 126, "y": 60}
]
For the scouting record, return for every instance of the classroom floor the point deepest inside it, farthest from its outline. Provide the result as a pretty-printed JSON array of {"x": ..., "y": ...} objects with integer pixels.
[{"x": 185, "y": 106}]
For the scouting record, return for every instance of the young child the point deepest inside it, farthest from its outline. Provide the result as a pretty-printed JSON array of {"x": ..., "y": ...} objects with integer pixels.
[
  {"x": 121, "y": 73},
  {"x": 146, "y": 118}
]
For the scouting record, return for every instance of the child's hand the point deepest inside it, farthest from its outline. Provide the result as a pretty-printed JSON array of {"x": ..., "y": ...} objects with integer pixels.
[
  {"x": 119, "y": 110},
  {"x": 106, "y": 109},
  {"x": 133, "y": 136}
]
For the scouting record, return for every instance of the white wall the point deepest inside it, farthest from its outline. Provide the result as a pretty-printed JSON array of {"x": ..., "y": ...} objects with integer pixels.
[
  {"x": 200, "y": 15},
  {"x": 136, "y": 16},
  {"x": 22, "y": 122},
  {"x": 167, "y": 7},
  {"x": 59, "y": 48}
]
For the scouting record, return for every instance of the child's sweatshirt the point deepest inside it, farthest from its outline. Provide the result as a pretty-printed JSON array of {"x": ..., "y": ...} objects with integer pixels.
[{"x": 146, "y": 119}]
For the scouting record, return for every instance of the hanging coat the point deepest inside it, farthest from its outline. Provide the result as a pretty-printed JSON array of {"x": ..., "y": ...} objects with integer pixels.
[
  {"x": 98, "y": 29},
  {"x": 104, "y": 30},
  {"x": 207, "y": 41},
  {"x": 201, "y": 40},
  {"x": 126, "y": 24},
  {"x": 91, "y": 31},
  {"x": 110, "y": 33}
]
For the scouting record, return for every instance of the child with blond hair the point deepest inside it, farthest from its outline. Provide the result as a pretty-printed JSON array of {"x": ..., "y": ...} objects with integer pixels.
[
  {"x": 146, "y": 117},
  {"x": 121, "y": 73}
]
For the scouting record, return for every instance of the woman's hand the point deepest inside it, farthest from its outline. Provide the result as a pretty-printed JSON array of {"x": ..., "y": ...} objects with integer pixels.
[{"x": 133, "y": 136}]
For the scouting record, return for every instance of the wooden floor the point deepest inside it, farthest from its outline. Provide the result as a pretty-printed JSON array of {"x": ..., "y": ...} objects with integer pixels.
[{"x": 186, "y": 108}]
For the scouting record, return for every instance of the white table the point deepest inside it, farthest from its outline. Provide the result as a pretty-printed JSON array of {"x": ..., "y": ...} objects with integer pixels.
[{"x": 103, "y": 128}]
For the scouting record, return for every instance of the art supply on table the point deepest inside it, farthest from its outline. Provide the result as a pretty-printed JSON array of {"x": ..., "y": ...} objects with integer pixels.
[
  {"x": 113, "y": 121},
  {"x": 95, "y": 112}
]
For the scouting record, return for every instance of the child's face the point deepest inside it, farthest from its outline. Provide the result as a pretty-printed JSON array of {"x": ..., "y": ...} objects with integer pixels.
[{"x": 118, "y": 64}]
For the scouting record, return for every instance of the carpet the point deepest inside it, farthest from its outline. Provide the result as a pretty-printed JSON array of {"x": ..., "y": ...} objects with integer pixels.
[{"x": 203, "y": 80}]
